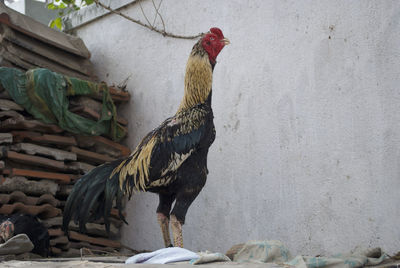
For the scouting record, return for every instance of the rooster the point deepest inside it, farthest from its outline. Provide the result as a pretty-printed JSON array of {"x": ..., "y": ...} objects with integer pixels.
[{"x": 171, "y": 160}]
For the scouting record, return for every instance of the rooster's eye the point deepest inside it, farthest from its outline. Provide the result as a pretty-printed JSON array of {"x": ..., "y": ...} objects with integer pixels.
[{"x": 211, "y": 38}]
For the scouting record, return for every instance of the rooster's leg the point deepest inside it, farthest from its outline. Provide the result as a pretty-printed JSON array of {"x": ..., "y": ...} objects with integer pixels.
[
  {"x": 178, "y": 214},
  {"x": 163, "y": 210},
  {"x": 164, "y": 225},
  {"x": 176, "y": 227}
]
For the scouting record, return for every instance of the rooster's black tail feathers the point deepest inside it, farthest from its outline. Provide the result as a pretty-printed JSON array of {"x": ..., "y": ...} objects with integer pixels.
[{"x": 92, "y": 197}]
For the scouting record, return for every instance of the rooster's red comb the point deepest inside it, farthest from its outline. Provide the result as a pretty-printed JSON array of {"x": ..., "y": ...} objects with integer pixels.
[{"x": 217, "y": 32}]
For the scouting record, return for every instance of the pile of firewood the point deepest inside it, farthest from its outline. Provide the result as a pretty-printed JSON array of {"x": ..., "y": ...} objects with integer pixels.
[{"x": 39, "y": 163}]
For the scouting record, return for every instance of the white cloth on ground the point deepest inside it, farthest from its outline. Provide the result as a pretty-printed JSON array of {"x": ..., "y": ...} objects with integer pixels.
[{"x": 164, "y": 255}]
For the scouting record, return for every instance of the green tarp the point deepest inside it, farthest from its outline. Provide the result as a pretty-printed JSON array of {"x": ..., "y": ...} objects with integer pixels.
[{"x": 44, "y": 94}]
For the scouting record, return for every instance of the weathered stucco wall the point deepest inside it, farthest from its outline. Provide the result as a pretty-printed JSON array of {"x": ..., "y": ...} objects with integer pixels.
[{"x": 307, "y": 112}]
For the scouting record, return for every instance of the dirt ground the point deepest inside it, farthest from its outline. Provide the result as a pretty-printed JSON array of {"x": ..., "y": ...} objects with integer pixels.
[{"x": 110, "y": 262}]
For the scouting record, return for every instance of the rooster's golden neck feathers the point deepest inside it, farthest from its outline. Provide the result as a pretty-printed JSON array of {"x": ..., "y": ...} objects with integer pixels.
[{"x": 198, "y": 78}]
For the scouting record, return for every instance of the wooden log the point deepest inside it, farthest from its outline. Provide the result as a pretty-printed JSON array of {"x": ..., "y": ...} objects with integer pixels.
[
  {"x": 86, "y": 112},
  {"x": 59, "y": 240},
  {"x": 36, "y": 160},
  {"x": 64, "y": 247},
  {"x": 80, "y": 167},
  {"x": 64, "y": 190},
  {"x": 91, "y": 156},
  {"x": 97, "y": 241},
  {"x": 96, "y": 229},
  {"x": 21, "y": 197},
  {"x": 114, "y": 213},
  {"x": 59, "y": 177},
  {"x": 55, "y": 232},
  {"x": 92, "y": 114},
  {"x": 18, "y": 124},
  {"x": 6, "y": 138},
  {"x": 90, "y": 108},
  {"x": 4, "y": 94},
  {"x": 116, "y": 95},
  {"x": 122, "y": 121},
  {"x": 32, "y": 28},
  {"x": 6, "y": 105},
  {"x": 10, "y": 114},
  {"x": 6, "y": 63},
  {"x": 16, "y": 54},
  {"x": 103, "y": 145},
  {"x": 60, "y": 56},
  {"x": 33, "y": 149},
  {"x": 119, "y": 95},
  {"x": 55, "y": 250},
  {"x": 20, "y": 136},
  {"x": 19, "y": 165},
  {"x": 17, "y": 196},
  {"x": 84, "y": 101},
  {"x": 52, "y": 222},
  {"x": 37, "y": 188},
  {"x": 43, "y": 211},
  {"x": 47, "y": 199},
  {"x": 21, "y": 64}
]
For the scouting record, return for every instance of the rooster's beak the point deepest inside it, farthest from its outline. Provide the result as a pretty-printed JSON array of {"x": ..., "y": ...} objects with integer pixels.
[{"x": 226, "y": 41}]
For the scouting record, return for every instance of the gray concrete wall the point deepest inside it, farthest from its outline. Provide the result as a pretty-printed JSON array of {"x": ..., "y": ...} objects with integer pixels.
[
  {"x": 39, "y": 11},
  {"x": 307, "y": 112},
  {"x": 34, "y": 9}
]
